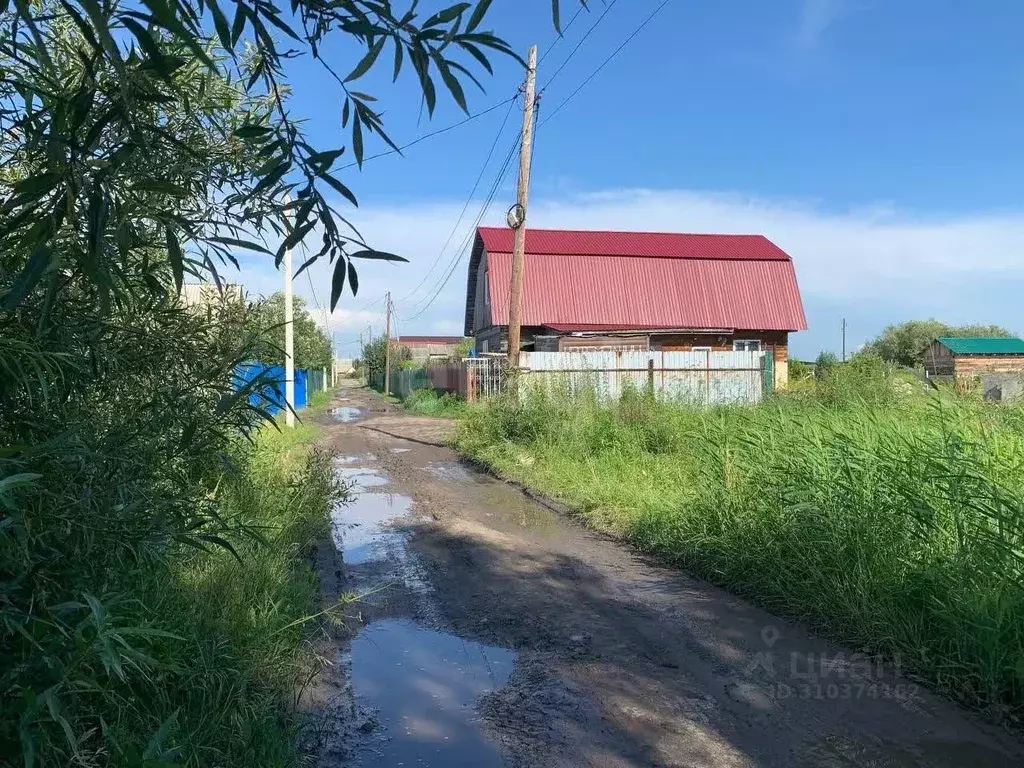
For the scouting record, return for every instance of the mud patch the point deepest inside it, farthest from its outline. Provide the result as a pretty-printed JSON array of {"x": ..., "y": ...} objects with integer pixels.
[{"x": 423, "y": 686}]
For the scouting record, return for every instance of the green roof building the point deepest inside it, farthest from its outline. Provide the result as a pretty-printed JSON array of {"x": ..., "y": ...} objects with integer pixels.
[{"x": 973, "y": 356}]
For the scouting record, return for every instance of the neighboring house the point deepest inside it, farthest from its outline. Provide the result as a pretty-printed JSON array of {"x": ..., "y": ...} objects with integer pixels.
[
  {"x": 425, "y": 347},
  {"x": 636, "y": 290},
  {"x": 343, "y": 366},
  {"x": 972, "y": 357}
]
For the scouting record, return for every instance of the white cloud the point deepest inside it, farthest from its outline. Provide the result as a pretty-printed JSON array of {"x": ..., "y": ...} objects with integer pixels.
[
  {"x": 873, "y": 262},
  {"x": 816, "y": 16}
]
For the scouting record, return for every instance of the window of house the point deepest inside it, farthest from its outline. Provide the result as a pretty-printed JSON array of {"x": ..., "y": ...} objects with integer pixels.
[
  {"x": 700, "y": 349},
  {"x": 484, "y": 346},
  {"x": 746, "y": 345}
]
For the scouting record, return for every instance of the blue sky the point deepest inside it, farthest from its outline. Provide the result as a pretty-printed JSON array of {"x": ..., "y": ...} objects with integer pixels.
[{"x": 877, "y": 142}]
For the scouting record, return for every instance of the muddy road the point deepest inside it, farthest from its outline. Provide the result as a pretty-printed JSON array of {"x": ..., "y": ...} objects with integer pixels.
[{"x": 493, "y": 631}]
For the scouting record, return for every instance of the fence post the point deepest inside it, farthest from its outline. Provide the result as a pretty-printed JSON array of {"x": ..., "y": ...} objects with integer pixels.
[{"x": 650, "y": 377}]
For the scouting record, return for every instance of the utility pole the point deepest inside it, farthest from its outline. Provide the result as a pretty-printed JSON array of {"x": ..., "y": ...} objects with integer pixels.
[
  {"x": 515, "y": 309},
  {"x": 289, "y": 339},
  {"x": 387, "y": 346},
  {"x": 844, "y": 339}
]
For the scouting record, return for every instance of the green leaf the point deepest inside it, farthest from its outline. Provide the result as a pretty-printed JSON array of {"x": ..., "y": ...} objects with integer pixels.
[
  {"x": 37, "y": 186},
  {"x": 220, "y": 23},
  {"x": 238, "y": 24},
  {"x": 29, "y": 276},
  {"x": 168, "y": 19},
  {"x": 452, "y": 82},
  {"x": 399, "y": 49},
  {"x": 340, "y": 188},
  {"x": 326, "y": 159},
  {"x": 165, "y": 187},
  {"x": 12, "y": 481},
  {"x": 478, "y": 14},
  {"x": 353, "y": 278},
  {"x": 367, "y": 61},
  {"x": 556, "y": 15},
  {"x": 338, "y": 281},
  {"x": 447, "y": 15},
  {"x": 149, "y": 45},
  {"x": 346, "y": 112},
  {"x": 252, "y": 131},
  {"x": 240, "y": 243},
  {"x": 371, "y": 253},
  {"x": 176, "y": 258},
  {"x": 357, "y": 137}
]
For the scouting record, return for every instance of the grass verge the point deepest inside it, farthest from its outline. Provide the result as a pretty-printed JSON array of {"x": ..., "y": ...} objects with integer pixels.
[
  {"x": 427, "y": 402},
  {"x": 892, "y": 524}
]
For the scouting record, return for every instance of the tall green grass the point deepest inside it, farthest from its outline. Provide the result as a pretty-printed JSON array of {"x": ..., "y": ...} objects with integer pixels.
[
  {"x": 427, "y": 402},
  {"x": 189, "y": 655},
  {"x": 894, "y": 521}
]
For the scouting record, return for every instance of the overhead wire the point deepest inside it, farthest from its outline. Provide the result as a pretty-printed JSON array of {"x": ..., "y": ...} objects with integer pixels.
[
  {"x": 579, "y": 44},
  {"x": 502, "y": 173},
  {"x": 604, "y": 63},
  {"x": 465, "y": 207},
  {"x": 430, "y": 135},
  {"x": 561, "y": 37}
]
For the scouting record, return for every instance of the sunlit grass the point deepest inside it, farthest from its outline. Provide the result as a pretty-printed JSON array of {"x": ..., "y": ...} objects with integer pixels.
[{"x": 893, "y": 524}]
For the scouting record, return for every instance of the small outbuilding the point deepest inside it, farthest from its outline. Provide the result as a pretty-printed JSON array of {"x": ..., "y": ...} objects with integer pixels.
[{"x": 973, "y": 357}]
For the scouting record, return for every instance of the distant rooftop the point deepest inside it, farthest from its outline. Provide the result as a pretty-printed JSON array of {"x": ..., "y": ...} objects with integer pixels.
[{"x": 982, "y": 345}]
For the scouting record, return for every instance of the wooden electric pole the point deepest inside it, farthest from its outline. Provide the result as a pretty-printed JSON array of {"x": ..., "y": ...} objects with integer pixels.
[
  {"x": 387, "y": 346},
  {"x": 515, "y": 309}
]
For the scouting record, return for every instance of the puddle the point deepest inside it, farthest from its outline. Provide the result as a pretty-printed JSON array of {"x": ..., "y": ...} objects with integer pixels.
[
  {"x": 365, "y": 457},
  {"x": 347, "y": 413},
  {"x": 400, "y": 450},
  {"x": 424, "y": 686},
  {"x": 359, "y": 478},
  {"x": 361, "y": 531}
]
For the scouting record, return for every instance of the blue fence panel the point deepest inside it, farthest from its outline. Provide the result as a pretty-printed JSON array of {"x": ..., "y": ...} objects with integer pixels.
[{"x": 270, "y": 396}]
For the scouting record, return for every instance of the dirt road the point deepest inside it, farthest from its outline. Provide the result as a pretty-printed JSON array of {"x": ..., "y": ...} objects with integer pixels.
[{"x": 496, "y": 632}]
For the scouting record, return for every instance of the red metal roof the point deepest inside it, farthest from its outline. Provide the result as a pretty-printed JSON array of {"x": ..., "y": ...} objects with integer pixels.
[
  {"x": 654, "y": 245},
  {"x": 653, "y": 281}
]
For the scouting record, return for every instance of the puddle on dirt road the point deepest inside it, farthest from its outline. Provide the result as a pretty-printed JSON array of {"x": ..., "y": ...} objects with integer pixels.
[
  {"x": 362, "y": 525},
  {"x": 360, "y": 478},
  {"x": 424, "y": 686},
  {"x": 400, "y": 450},
  {"x": 347, "y": 413}
]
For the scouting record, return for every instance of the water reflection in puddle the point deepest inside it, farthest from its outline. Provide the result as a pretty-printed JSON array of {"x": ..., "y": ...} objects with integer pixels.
[
  {"x": 400, "y": 450},
  {"x": 346, "y": 413},
  {"x": 424, "y": 686},
  {"x": 358, "y": 478}
]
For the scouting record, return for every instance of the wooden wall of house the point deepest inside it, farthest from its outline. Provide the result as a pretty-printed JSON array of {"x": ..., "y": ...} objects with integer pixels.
[
  {"x": 481, "y": 301},
  {"x": 566, "y": 343},
  {"x": 975, "y": 365},
  {"x": 938, "y": 360}
]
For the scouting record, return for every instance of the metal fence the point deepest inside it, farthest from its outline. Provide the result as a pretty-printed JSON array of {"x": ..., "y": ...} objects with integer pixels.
[
  {"x": 270, "y": 394},
  {"x": 692, "y": 377}
]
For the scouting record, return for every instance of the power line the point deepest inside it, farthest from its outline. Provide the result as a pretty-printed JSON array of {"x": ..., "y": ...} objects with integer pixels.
[
  {"x": 579, "y": 43},
  {"x": 604, "y": 63},
  {"x": 469, "y": 199},
  {"x": 468, "y": 239},
  {"x": 430, "y": 135},
  {"x": 560, "y": 37}
]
